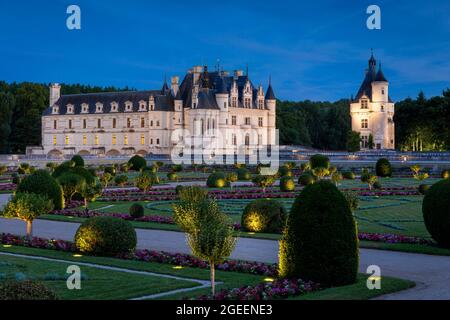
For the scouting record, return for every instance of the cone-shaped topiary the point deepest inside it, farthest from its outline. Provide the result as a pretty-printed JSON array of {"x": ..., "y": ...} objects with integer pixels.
[
  {"x": 383, "y": 168},
  {"x": 41, "y": 182},
  {"x": 320, "y": 242},
  {"x": 264, "y": 215},
  {"x": 105, "y": 236},
  {"x": 319, "y": 161},
  {"x": 243, "y": 174},
  {"x": 287, "y": 184},
  {"x": 435, "y": 208},
  {"x": 217, "y": 180}
]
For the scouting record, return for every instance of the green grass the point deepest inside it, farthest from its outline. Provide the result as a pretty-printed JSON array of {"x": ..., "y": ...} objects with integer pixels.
[
  {"x": 358, "y": 291},
  {"x": 229, "y": 279},
  {"x": 96, "y": 284}
]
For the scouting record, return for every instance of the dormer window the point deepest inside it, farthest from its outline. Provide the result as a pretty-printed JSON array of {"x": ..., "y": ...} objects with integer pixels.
[
  {"x": 114, "y": 107},
  {"x": 128, "y": 106},
  {"x": 260, "y": 104},
  {"x": 98, "y": 107},
  {"x": 247, "y": 102},
  {"x": 70, "y": 109},
  {"x": 84, "y": 108},
  {"x": 55, "y": 110},
  {"x": 142, "y": 106},
  {"x": 364, "y": 104}
]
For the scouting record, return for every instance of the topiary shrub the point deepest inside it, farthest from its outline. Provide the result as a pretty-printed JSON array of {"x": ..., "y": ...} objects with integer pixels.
[
  {"x": 348, "y": 175},
  {"x": 383, "y": 168},
  {"x": 79, "y": 161},
  {"x": 243, "y": 174},
  {"x": 319, "y": 161},
  {"x": 423, "y": 188},
  {"x": 445, "y": 174},
  {"x": 320, "y": 242},
  {"x": 151, "y": 169},
  {"x": 178, "y": 189},
  {"x": 105, "y": 236},
  {"x": 136, "y": 211},
  {"x": 377, "y": 185},
  {"x": 217, "y": 180},
  {"x": 25, "y": 290},
  {"x": 111, "y": 170},
  {"x": 15, "y": 178},
  {"x": 435, "y": 208},
  {"x": 41, "y": 182},
  {"x": 284, "y": 171},
  {"x": 287, "y": 184},
  {"x": 137, "y": 163},
  {"x": 352, "y": 199},
  {"x": 121, "y": 180},
  {"x": 264, "y": 215},
  {"x": 305, "y": 179},
  {"x": 172, "y": 176}
]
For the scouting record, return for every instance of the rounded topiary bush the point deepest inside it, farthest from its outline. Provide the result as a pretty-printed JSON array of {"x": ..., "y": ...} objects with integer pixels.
[
  {"x": 136, "y": 211},
  {"x": 217, "y": 180},
  {"x": 137, "y": 163},
  {"x": 179, "y": 188},
  {"x": 348, "y": 175},
  {"x": 79, "y": 161},
  {"x": 320, "y": 242},
  {"x": 305, "y": 179},
  {"x": 41, "y": 182},
  {"x": 264, "y": 215},
  {"x": 383, "y": 168},
  {"x": 243, "y": 174},
  {"x": 423, "y": 188},
  {"x": 435, "y": 208},
  {"x": 172, "y": 176},
  {"x": 287, "y": 184},
  {"x": 445, "y": 174},
  {"x": 106, "y": 236},
  {"x": 285, "y": 171},
  {"x": 25, "y": 290},
  {"x": 319, "y": 161}
]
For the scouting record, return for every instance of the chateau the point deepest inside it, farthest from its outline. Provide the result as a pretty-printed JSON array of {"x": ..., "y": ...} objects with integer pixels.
[
  {"x": 217, "y": 109},
  {"x": 372, "y": 110}
]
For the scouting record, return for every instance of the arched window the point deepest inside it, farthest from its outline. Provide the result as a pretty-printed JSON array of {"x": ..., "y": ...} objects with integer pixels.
[{"x": 247, "y": 139}]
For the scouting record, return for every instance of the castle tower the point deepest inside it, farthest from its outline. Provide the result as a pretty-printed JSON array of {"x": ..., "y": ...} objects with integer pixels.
[
  {"x": 372, "y": 110},
  {"x": 271, "y": 106},
  {"x": 55, "y": 93}
]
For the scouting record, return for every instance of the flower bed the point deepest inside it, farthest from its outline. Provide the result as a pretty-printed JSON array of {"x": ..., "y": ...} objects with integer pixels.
[
  {"x": 178, "y": 259},
  {"x": 393, "y": 238},
  {"x": 8, "y": 187},
  {"x": 278, "y": 289}
]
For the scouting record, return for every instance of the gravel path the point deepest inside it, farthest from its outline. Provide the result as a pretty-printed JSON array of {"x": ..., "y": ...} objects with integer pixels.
[{"x": 431, "y": 273}]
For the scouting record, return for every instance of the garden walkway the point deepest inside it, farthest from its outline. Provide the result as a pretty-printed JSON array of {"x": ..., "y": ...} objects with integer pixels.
[{"x": 431, "y": 273}]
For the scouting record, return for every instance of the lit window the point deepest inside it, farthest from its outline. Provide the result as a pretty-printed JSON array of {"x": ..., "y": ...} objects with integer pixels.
[
  {"x": 54, "y": 140},
  {"x": 114, "y": 140},
  {"x": 125, "y": 140},
  {"x": 84, "y": 140},
  {"x": 67, "y": 140},
  {"x": 96, "y": 140},
  {"x": 142, "y": 139}
]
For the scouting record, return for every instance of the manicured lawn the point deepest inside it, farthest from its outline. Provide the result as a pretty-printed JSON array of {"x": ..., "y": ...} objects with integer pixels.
[
  {"x": 96, "y": 284},
  {"x": 118, "y": 286}
]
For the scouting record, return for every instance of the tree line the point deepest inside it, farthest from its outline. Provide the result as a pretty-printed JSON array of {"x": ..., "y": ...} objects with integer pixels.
[{"x": 421, "y": 124}]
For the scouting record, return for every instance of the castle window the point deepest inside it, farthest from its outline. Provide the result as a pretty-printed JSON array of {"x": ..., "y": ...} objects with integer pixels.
[
  {"x": 84, "y": 108},
  {"x": 260, "y": 122},
  {"x": 55, "y": 124},
  {"x": 84, "y": 124},
  {"x": 382, "y": 91},
  {"x": 96, "y": 140},
  {"x": 157, "y": 141},
  {"x": 114, "y": 106},
  {"x": 142, "y": 122},
  {"x": 247, "y": 121},
  {"x": 114, "y": 140},
  {"x": 364, "y": 141},
  {"x": 259, "y": 139},
  {"x": 247, "y": 139},
  {"x": 234, "y": 140},
  {"x": 70, "y": 124},
  {"x": 98, "y": 107},
  {"x": 55, "y": 110},
  {"x": 364, "y": 123},
  {"x": 195, "y": 105},
  {"x": 142, "y": 106},
  {"x": 84, "y": 140},
  {"x": 151, "y": 141},
  {"x": 225, "y": 105},
  {"x": 67, "y": 140},
  {"x": 382, "y": 108},
  {"x": 260, "y": 104},
  {"x": 233, "y": 120},
  {"x": 157, "y": 123},
  {"x": 151, "y": 123},
  {"x": 128, "y": 123},
  {"x": 364, "y": 104},
  {"x": 125, "y": 140},
  {"x": 114, "y": 123},
  {"x": 99, "y": 123},
  {"x": 54, "y": 140},
  {"x": 247, "y": 102},
  {"x": 234, "y": 102},
  {"x": 128, "y": 106},
  {"x": 70, "y": 108},
  {"x": 142, "y": 139}
]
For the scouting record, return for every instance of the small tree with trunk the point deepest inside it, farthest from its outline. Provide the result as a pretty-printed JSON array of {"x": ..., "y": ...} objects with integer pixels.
[
  {"x": 263, "y": 181},
  {"x": 105, "y": 179},
  {"x": 336, "y": 178},
  {"x": 71, "y": 183},
  {"x": 369, "y": 178},
  {"x": 415, "y": 169},
  {"x": 91, "y": 192},
  {"x": 27, "y": 207},
  {"x": 143, "y": 182}
]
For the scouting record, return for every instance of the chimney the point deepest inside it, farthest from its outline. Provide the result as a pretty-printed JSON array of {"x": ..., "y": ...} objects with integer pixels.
[
  {"x": 174, "y": 85},
  {"x": 55, "y": 93}
]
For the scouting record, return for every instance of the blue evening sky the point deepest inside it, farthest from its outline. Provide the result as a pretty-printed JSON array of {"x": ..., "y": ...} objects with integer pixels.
[{"x": 314, "y": 50}]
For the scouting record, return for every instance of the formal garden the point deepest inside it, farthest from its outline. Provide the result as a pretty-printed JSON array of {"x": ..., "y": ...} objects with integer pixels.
[{"x": 304, "y": 206}]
